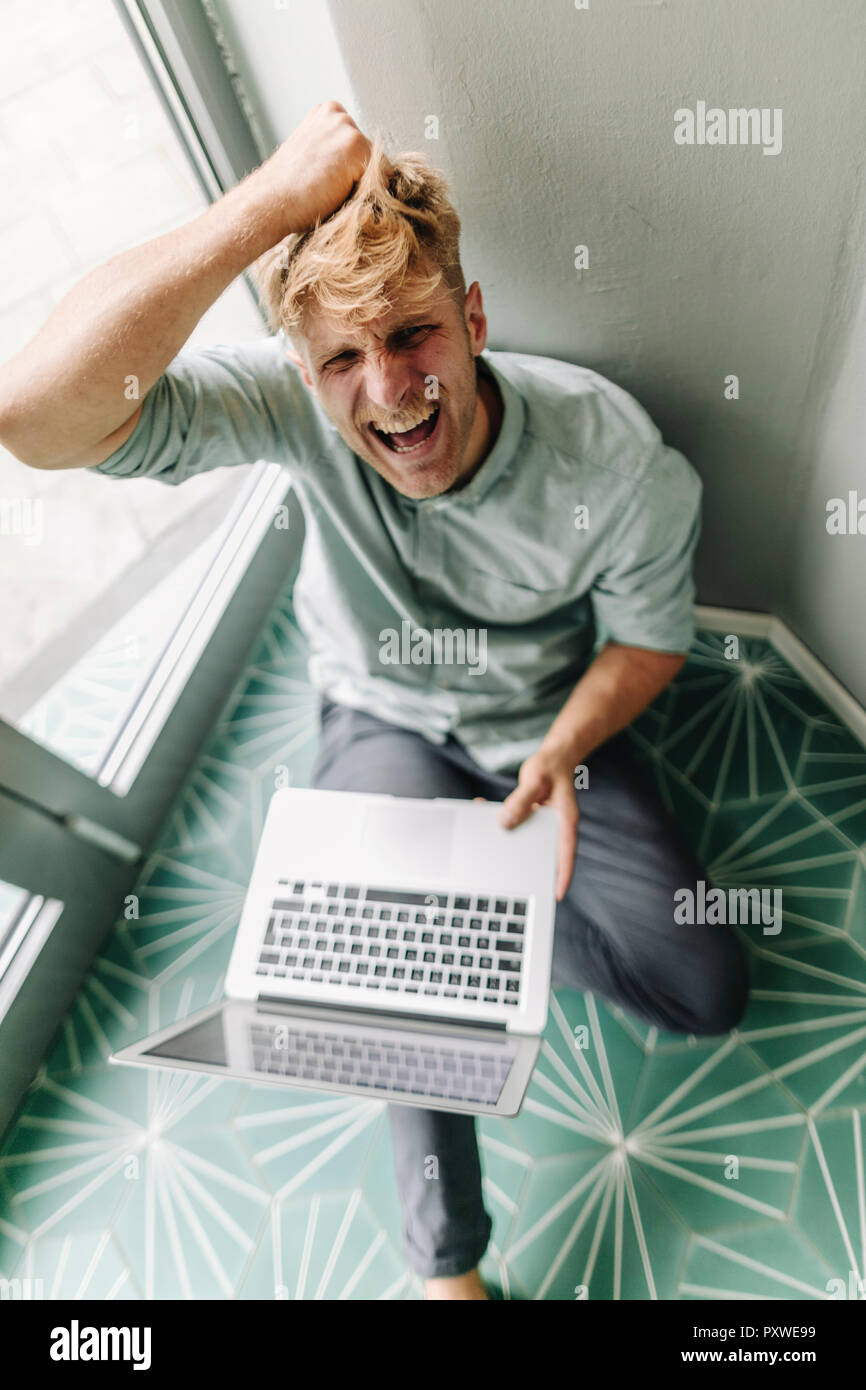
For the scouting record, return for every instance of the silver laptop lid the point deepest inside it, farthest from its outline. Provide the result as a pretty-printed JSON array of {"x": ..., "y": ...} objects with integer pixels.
[{"x": 372, "y": 901}]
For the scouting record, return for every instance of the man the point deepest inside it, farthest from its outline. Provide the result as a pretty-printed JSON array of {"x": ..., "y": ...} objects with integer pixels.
[{"x": 522, "y": 502}]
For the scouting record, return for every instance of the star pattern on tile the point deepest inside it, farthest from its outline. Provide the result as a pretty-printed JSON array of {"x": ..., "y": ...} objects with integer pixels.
[{"x": 642, "y": 1165}]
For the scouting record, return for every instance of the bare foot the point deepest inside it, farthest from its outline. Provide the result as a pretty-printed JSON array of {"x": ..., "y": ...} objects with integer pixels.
[{"x": 460, "y": 1286}]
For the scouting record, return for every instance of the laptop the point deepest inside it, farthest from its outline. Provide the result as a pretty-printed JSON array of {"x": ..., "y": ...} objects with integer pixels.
[{"x": 391, "y": 947}]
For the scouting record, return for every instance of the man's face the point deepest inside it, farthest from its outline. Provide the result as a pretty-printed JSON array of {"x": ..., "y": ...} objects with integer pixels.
[{"x": 402, "y": 390}]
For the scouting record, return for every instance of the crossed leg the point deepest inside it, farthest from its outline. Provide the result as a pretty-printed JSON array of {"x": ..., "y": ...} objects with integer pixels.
[{"x": 614, "y": 935}]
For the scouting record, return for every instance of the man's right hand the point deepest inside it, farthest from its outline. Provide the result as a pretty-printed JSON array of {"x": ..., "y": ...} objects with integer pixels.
[
  {"x": 315, "y": 169},
  {"x": 63, "y": 399}
]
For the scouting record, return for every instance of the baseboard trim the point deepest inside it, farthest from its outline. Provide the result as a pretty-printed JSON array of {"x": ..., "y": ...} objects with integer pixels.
[{"x": 816, "y": 675}]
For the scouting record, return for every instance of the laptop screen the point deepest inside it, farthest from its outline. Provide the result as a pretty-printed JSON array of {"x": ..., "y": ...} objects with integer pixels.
[{"x": 416, "y": 1062}]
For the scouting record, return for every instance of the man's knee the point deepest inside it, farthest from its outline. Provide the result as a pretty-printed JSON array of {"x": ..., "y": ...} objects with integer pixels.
[
  {"x": 697, "y": 975},
  {"x": 708, "y": 961},
  {"x": 714, "y": 989}
]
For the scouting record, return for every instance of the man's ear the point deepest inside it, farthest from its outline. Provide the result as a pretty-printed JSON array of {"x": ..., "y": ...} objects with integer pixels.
[
  {"x": 299, "y": 362},
  {"x": 476, "y": 321}
]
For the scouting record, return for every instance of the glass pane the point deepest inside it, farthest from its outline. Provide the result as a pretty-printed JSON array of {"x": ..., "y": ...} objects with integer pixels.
[
  {"x": 90, "y": 166},
  {"x": 14, "y": 922},
  {"x": 12, "y": 900}
]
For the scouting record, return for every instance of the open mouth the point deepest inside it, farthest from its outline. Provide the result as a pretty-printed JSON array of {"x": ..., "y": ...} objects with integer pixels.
[{"x": 409, "y": 441}]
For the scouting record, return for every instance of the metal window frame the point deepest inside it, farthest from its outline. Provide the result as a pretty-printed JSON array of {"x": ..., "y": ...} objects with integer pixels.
[
  {"x": 242, "y": 531},
  {"x": 68, "y": 916},
  {"x": 179, "y": 50}
]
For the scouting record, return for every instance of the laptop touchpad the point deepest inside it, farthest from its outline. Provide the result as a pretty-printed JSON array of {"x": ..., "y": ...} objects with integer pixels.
[{"x": 408, "y": 839}]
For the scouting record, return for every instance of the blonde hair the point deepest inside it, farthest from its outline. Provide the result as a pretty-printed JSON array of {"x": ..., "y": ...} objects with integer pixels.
[{"x": 397, "y": 233}]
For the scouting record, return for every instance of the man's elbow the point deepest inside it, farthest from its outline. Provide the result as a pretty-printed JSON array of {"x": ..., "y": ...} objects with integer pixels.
[
  {"x": 21, "y": 449},
  {"x": 19, "y": 438},
  {"x": 20, "y": 418},
  {"x": 668, "y": 664},
  {"x": 658, "y": 667},
  {"x": 16, "y": 434}
]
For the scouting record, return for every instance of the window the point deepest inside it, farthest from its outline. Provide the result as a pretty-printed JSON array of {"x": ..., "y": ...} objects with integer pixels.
[{"x": 24, "y": 918}]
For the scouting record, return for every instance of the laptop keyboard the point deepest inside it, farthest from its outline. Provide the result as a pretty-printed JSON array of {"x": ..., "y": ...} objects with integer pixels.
[
  {"x": 462, "y": 946},
  {"x": 445, "y": 1071}
]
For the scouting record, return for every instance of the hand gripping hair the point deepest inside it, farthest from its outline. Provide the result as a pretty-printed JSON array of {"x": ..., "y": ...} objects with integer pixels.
[{"x": 397, "y": 234}]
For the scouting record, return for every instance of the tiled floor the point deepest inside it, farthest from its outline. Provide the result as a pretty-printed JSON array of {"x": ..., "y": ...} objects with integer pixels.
[{"x": 643, "y": 1165}]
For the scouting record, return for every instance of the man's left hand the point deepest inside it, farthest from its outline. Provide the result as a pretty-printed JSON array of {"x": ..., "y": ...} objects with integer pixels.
[{"x": 547, "y": 779}]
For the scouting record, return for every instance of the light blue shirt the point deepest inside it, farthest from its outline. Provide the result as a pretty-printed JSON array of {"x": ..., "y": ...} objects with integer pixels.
[{"x": 473, "y": 613}]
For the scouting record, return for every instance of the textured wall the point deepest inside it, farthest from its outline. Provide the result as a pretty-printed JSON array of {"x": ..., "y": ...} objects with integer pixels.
[
  {"x": 557, "y": 128},
  {"x": 287, "y": 57},
  {"x": 826, "y": 598}
]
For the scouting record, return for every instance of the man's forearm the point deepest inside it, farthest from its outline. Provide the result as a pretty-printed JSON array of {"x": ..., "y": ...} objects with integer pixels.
[
  {"x": 614, "y": 690},
  {"x": 66, "y": 391}
]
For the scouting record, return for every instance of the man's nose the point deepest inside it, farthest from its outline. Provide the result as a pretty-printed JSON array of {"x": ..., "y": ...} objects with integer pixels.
[{"x": 388, "y": 381}]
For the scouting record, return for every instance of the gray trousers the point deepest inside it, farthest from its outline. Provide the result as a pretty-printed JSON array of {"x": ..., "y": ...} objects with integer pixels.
[{"x": 614, "y": 935}]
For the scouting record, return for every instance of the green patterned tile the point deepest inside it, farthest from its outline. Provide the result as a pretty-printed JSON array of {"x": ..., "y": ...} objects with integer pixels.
[
  {"x": 720, "y": 731},
  {"x": 764, "y": 1261},
  {"x": 375, "y": 1175},
  {"x": 643, "y": 1164},
  {"x": 84, "y": 1265},
  {"x": 507, "y": 1168},
  {"x": 584, "y": 1081},
  {"x": 214, "y": 808},
  {"x": 118, "y": 1146},
  {"x": 189, "y": 906},
  {"x": 106, "y": 1014},
  {"x": 807, "y": 1023},
  {"x": 590, "y": 1226},
  {"x": 326, "y": 1247},
  {"x": 304, "y": 1140},
  {"x": 830, "y": 1209},
  {"x": 193, "y": 1218},
  {"x": 717, "y": 1135}
]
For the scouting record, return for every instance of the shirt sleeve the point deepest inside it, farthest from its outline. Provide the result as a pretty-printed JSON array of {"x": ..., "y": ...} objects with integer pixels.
[
  {"x": 645, "y": 595},
  {"x": 217, "y": 407}
]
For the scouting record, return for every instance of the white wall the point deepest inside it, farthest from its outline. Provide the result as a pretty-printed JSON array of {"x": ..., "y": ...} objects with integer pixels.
[
  {"x": 287, "y": 57},
  {"x": 556, "y": 128},
  {"x": 827, "y": 597}
]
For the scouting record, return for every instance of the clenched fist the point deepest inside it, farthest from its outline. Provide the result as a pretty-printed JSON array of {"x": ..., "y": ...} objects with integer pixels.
[{"x": 315, "y": 169}]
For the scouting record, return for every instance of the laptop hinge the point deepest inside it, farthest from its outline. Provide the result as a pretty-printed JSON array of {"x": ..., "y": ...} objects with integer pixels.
[{"x": 395, "y": 1015}]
